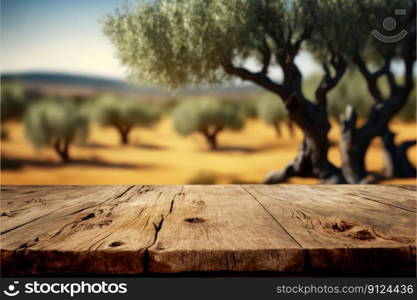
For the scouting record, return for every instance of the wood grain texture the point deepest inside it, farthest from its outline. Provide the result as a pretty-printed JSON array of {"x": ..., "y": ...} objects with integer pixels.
[
  {"x": 110, "y": 235},
  {"x": 222, "y": 229},
  {"x": 343, "y": 228},
  {"x": 142, "y": 229}
]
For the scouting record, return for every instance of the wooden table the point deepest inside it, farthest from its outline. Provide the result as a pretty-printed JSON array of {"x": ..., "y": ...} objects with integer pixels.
[{"x": 288, "y": 229}]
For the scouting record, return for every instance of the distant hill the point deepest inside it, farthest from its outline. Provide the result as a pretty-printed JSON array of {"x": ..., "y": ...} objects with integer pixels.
[
  {"x": 49, "y": 83},
  {"x": 63, "y": 78}
]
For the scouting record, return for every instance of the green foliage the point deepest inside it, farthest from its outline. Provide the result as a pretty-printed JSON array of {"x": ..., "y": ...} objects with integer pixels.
[
  {"x": 124, "y": 114},
  {"x": 185, "y": 42},
  {"x": 13, "y": 100},
  {"x": 50, "y": 122},
  {"x": 249, "y": 108},
  {"x": 376, "y": 50},
  {"x": 351, "y": 90},
  {"x": 340, "y": 27},
  {"x": 167, "y": 106},
  {"x": 112, "y": 111},
  {"x": 206, "y": 115},
  {"x": 344, "y": 27},
  {"x": 175, "y": 43},
  {"x": 271, "y": 110}
]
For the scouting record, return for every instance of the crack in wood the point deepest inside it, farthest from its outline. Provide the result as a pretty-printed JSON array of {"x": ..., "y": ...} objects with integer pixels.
[
  {"x": 392, "y": 205},
  {"x": 98, "y": 204},
  {"x": 273, "y": 217},
  {"x": 99, "y": 242},
  {"x": 31, "y": 221},
  {"x": 146, "y": 258},
  {"x": 334, "y": 230}
]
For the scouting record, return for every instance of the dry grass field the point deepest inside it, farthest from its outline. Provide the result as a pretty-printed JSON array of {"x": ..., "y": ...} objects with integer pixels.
[{"x": 160, "y": 156}]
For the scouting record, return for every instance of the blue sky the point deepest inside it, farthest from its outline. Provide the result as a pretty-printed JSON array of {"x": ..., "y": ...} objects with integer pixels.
[
  {"x": 57, "y": 35},
  {"x": 65, "y": 36}
]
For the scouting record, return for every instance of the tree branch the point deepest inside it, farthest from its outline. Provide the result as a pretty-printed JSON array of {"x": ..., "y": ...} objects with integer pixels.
[
  {"x": 372, "y": 78},
  {"x": 328, "y": 81},
  {"x": 266, "y": 55},
  {"x": 259, "y": 78},
  {"x": 305, "y": 35}
]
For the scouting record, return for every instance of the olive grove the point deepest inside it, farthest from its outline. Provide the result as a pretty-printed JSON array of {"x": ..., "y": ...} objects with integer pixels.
[
  {"x": 176, "y": 43},
  {"x": 125, "y": 114},
  {"x": 13, "y": 103},
  {"x": 208, "y": 117},
  {"x": 55, "y": 123}
]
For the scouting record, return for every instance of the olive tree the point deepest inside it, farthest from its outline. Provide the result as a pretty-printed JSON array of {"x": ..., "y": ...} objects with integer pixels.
[
  {"x": 55, "y": 123},
  {"x": 12, "y": 102},
  {"x": 374, "y": 59},
  {"x": 208, "y": 117},
  {"x": 125, "y": 114},
  {"x": 176, "y": 43}
]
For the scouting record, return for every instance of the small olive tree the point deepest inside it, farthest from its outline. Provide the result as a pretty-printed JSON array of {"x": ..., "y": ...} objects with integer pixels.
[
  {"x": 125, "y": 114},
  {"x": 55, "y": 123},
  {"x": 208, "y": 117},
  {"x": 12, "y": 102}
]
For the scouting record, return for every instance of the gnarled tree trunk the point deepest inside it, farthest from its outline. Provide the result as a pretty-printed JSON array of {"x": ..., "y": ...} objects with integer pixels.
[
  {"x": 396, "y": 162},
  {"x": 124, "y": 137},
  {"x": 61, "y": 147},
  {"x": 278, "y": 130},
  {"x": 212, "y": 140},
  {"x": 291, "y": 128},
  {"x": 211, "y": 137},
  {"x": 354, "y": 144},
  {"x": 312, "y": 159},
  {"x": 311, "y": 118},
  {"x": 355, "y": 141},
  {"x": 124, "y": 134}
]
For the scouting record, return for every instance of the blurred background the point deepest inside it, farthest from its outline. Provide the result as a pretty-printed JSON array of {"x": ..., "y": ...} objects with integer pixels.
[{"x": 68, "y": 116}]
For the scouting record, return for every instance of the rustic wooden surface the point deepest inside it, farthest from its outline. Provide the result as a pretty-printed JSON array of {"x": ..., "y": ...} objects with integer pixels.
[{"x": 167, "y": 229}]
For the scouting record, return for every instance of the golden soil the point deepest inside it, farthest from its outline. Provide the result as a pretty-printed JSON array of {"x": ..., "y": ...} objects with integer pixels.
[{"x": 160, "y": 156}]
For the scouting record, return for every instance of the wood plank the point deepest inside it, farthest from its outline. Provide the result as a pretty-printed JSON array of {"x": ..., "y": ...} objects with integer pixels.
[
  {"x": 400, "y": 196},
  {"x": 135, "y": 229},
  {"x": 110, "y": 237},
  {"x": 22, "y": 205},
  {"x": 342, "y": 231},
  {"x": 222, "y": 228}
]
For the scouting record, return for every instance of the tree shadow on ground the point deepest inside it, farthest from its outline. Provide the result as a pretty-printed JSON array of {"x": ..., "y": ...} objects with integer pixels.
[
  {"x": 17, "y": 163},
  {"x": 236, "y": 149},
  {"x": 250, "y": 150},
  {"x": 149, "y": 146},
  {"x": 136, "y": 145},
  {"x": 92, "y": 145}
]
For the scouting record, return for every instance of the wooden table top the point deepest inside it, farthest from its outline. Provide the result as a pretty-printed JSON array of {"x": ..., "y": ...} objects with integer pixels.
[{"x": 120, "y": 229}]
